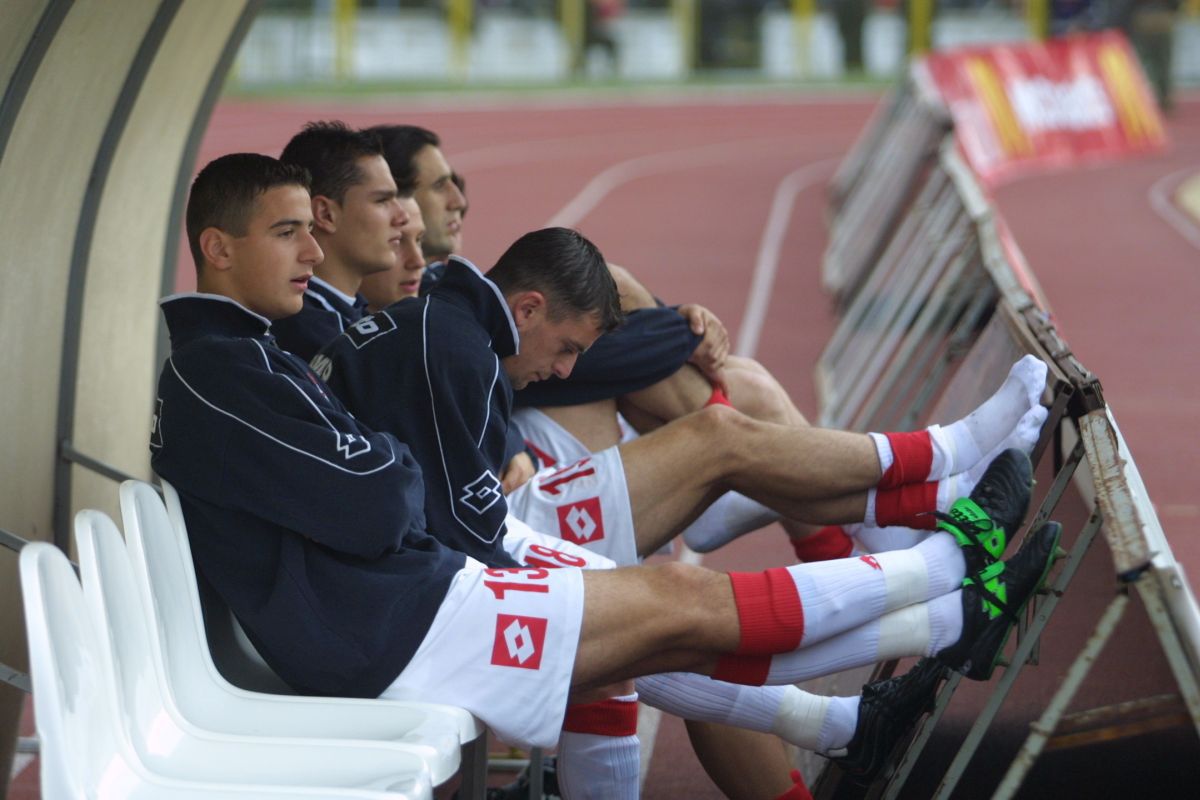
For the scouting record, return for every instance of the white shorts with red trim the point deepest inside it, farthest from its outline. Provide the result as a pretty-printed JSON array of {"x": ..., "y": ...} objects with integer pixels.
[
  {"x": 534, "y": 549},
  {"x": 553, "y": 444},
  {"x": 585, "y": 502},
  {"x": 502, "y": 646}
]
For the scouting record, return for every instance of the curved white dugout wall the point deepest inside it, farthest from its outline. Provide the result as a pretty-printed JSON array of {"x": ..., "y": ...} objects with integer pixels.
[{"x": 103, "y": 106}]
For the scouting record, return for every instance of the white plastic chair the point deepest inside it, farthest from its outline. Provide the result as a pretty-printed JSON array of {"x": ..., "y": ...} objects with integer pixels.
[
  {"x": 162, "y": 563},
  {"x": 168, "y": 744},
  {"x": 84, "y": 752}
]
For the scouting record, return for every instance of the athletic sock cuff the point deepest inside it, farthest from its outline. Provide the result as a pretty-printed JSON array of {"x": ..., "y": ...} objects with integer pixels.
[
  {"x": 826, "y": 544},
  {"x": 744, "y": 670},
  {"x": 770, "y": 616},
  {"x": 912, "y": 459},
  {"x": 911, "y": 506},
  {"x": 798, "y": 791},
  {"x": 610, "y": 717},
  {"x": 718, "y": 398}
]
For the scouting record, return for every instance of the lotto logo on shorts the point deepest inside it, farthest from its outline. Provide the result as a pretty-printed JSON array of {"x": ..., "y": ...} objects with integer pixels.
[
  {"x": 519, "y": 641},
  {"x": 581, "y": 522}
]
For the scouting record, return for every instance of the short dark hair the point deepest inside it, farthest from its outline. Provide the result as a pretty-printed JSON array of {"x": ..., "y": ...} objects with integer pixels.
[
  {"x": 330, "y": 152},
  {"x": 224, "y": 193},
  {"x": 401, "y": 143},
  {"x": 567, "y": 268}
]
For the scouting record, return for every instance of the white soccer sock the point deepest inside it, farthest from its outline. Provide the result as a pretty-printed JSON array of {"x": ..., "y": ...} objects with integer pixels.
[
  {"x": 596, "y": 767},
  {"x": 806, "y": 720},
  {"x": 960, "y": 445},
  {"x": 945, "y": 621},
  {"x": 1023, "y": 437},
  {"x": 906, "y": 632},
  {"x": 841, "y": 719},
  {"x": 839, "y": 595},
  {"x": 697, "y": 697},
  {"x": 880, "y": 540},
  {"x": 730, "y": 516}
]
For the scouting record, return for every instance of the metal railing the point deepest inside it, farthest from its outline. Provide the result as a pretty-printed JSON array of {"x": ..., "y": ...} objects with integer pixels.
[{"x": 929, "y": 321}]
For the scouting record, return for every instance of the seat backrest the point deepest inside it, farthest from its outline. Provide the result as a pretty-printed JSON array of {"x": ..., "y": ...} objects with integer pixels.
[
  {"x": 232, "y": 651},
  {"x": 128, "y": 647},
  {"x": 163, "y": 569},
  {"x": 75, "y": 711}
]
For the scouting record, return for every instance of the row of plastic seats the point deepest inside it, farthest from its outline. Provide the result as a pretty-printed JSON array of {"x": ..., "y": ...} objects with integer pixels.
[{"x": 129, "y": 703}]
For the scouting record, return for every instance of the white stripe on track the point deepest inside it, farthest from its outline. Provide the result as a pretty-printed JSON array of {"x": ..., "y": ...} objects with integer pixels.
[
  {"x": 1160, "y": 201},
  {"x": 770, "y": 248},
  {"x": 599, "y": 187}
]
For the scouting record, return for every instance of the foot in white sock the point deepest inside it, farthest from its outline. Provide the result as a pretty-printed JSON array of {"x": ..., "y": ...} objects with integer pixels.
[
  {"x": 962, "y": 444},
  {"x": 1023, "y": 437}
]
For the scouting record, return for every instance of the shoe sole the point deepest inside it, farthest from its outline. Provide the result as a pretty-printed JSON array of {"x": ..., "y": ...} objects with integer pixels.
[{"x": 985, "y": 676}]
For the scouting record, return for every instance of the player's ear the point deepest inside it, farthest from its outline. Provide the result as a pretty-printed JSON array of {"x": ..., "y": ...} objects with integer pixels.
[
  {"x": 326, "y": 213},
  {"x": 215, "y": 244},
  {"x": 527, "y": 306}
]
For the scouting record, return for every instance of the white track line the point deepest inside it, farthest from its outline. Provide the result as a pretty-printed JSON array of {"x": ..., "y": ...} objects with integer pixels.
[
  {"x": 1160, "y": 200},
  {"x": 599, "y": 187},
  {"x": 769, "y": 249}
]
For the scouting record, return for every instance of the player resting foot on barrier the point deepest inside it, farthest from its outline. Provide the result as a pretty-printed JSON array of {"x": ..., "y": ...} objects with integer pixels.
[
  {"x": 309, "y": 525},
  {"x": 409, "y": 370}
]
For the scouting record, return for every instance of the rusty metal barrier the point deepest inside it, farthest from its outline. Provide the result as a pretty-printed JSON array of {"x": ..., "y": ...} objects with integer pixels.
[{"x": 938, "y": 315}]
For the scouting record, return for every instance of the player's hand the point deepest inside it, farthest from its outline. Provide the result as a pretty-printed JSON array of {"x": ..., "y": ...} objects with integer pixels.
[
  {"x": 709, "y": 357},
  {"x": 519, "y": 470}
]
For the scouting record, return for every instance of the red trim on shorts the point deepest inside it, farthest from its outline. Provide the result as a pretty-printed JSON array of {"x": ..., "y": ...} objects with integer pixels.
[
  {"x": 770, "y": 615},
  {"x": 545, "y": 458},
  {"x": 911, "y": 506},
  {"x": 606, "y": 718},
  {"x": 551, "y": 486},
  {"x": 912, "y": 458},
  {"x": 746, "y": 670},
  {"x": 829, "y": 543},
  {"x": 717, "y": 398}
]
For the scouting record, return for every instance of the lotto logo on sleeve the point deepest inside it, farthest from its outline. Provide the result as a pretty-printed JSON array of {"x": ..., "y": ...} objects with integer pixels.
[
  {"x": 519, "y": 641},
  {"x": 581, "y": 522}
]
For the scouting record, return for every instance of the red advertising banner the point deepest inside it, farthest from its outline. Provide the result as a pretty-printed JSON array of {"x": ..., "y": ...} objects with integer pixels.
[{"x": 1030, "y": 107}]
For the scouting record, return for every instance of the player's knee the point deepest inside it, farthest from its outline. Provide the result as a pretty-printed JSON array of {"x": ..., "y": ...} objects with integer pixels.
[
  {"x": 760, "y": 396},
  {"x": 680, "y": 581}
]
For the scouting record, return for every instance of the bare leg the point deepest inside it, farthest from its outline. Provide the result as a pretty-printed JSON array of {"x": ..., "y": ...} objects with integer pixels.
[
  {"x": 804, "y": 473},
  {"x": 755, "y": 392},
  {"x": 593, "y": 424},
  {"x": 618, "y": 641},
  {"x": 671, "y": 398},
  {"x": 726, "y": 752}
]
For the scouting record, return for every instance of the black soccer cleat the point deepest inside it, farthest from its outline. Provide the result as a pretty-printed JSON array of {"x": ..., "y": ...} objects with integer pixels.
[
  {"x": 994, "y": 599},
  {"x": 984, "y": 523},
  {"x": 887, "y": 712}
]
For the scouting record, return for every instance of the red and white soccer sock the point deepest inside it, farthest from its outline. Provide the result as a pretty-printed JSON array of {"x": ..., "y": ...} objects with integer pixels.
[
  {"x": 939, "y": 452},
  {"x": 918, "y": 630},
  {"x": 730, "y": 516},
  {"x": 826, "y": 544},
  {"x": 599, "y": 754},
  {"x": 806, "y": 720},
  {"x": 783, "y": 609},
  {"x": 881, "y": 540},
  {"x": 910, "y": 505}
]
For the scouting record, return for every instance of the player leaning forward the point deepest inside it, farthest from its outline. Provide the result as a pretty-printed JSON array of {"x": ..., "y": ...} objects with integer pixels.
[{"x": 310, "y": 526}]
